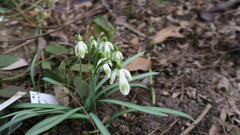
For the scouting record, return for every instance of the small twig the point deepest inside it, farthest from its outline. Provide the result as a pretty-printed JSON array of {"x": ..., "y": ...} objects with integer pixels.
[
  {"x": 199, "y": 118},
  {"x": 165, "y": 131},
  {"x": 19, "y": 46}
]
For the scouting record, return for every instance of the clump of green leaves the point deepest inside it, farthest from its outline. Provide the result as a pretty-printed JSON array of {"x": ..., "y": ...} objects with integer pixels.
[{"x": 82, "y": 76}]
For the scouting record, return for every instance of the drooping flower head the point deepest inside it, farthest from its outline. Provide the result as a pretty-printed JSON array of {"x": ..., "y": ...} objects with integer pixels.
[
  {"x": 106, "y": 64},
  {"x": 106, "y": 48},
  {"x": 124, "y": 76},
  {"x": 80, "y": 48},
  {"x": 117, "y": 56}
]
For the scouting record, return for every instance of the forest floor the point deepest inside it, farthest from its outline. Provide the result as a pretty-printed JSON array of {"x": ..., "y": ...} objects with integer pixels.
[{"x": 194, "y": 45}]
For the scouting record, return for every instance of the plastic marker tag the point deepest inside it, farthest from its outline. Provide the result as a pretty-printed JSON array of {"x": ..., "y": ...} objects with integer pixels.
[
  {"x": 41, "y": 98},
  {"x": 11, "y": 100}
]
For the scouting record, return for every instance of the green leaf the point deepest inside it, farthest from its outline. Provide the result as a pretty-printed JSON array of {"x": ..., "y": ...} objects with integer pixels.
[
  {"x": 3, "y": 10},
  {"x": 149, "y": 109},
  {"x": 133, "y": 106},
  {"x": 18, "y": 119},
  {"x": 99, "y": 124},
  {"x": 56, "y": 50},
  {"x": 51, "y": 81},
  {"x": 50, "y": 122},
  {"x": 10, "y": 91},
  {"x": 31, "y": 105},
  {"x": 170, "y": 111},
  {"x": 104, "y": 25},
  {"x": 141, "y": 76},
  {"x": 46, "y": 65},
  {"x": 85, "y": 67},
  {"x": 129, "y": 60},
  {"x": 6, "y": 60},
  {"x": 32, "y": 70}
]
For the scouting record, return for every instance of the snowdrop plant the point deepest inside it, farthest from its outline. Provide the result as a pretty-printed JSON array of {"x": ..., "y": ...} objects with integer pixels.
[{"x": 94, "y": 88}]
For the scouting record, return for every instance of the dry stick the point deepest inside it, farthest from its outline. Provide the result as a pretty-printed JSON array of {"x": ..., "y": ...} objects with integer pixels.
[
  {"x": 19, "y": 46},
  {"x": 199, "y": 118},
  {"x": 125, "y": 24}
]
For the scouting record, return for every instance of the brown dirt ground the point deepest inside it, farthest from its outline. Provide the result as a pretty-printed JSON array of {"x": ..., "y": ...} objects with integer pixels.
[{"x": 192, "y": 69}]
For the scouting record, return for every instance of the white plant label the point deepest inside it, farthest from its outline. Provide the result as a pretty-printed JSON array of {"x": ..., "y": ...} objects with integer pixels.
[
  {"x": 41, "y": 98},
  {"x": 11, "y": 100}
]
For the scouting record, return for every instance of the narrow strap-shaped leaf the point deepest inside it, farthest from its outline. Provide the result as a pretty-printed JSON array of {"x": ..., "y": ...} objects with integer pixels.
[
  {"x": 170, "y": 111},
  {"x": 15, "y": 113},
  {"x": 17, "y": 120},
  {"x": 46, "y": 122},
  {"x": 52, "y": 81},
  {"x": 133, "y": 106},
  {"x": 149, "y": 109},
  {"x": 22, "y": 115},
  {"x": 129, "y": 60},
  {"x": 31, "y": 105},
  {"x": 99, "y": 124},
  {"x": 50, "y": 122},
  {"x": 140, "y": 76}
]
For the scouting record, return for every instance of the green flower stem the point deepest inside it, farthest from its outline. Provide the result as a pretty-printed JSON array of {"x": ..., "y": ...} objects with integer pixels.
[{"x": 80, "y": 79}]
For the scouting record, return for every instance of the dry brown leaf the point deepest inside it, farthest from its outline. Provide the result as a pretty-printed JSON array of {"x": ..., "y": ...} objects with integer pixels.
[
  {"x": 213, "y": 130},
  {"x": 165, "y": 33},
  {"x": 139, "y": 64},
  {"x": 135, "y": 41},
  {"x": 223, "y": 114}
]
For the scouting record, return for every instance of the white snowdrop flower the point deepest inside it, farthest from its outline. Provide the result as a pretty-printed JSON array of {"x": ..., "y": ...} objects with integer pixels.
[
  {"x": 127, "y": 74},
  {"x": 124, "y": 76},
  {"x": 106, "y": 48},
  {"x": 113, "y": 77},
  {"x": 117, "y": 56},
  {"x": 123, "y": 84},
  {"x": 107, "y": 70},
  {"x": 106, "y": 66},
  {"x": 81, "y": 49}
]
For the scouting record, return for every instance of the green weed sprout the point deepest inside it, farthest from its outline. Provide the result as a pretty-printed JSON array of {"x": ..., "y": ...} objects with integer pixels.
[{"x": 100, "y": 56}]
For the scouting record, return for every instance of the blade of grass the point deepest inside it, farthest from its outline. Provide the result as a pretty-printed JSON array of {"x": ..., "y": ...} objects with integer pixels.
[{"x": 99, "y": 124}]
